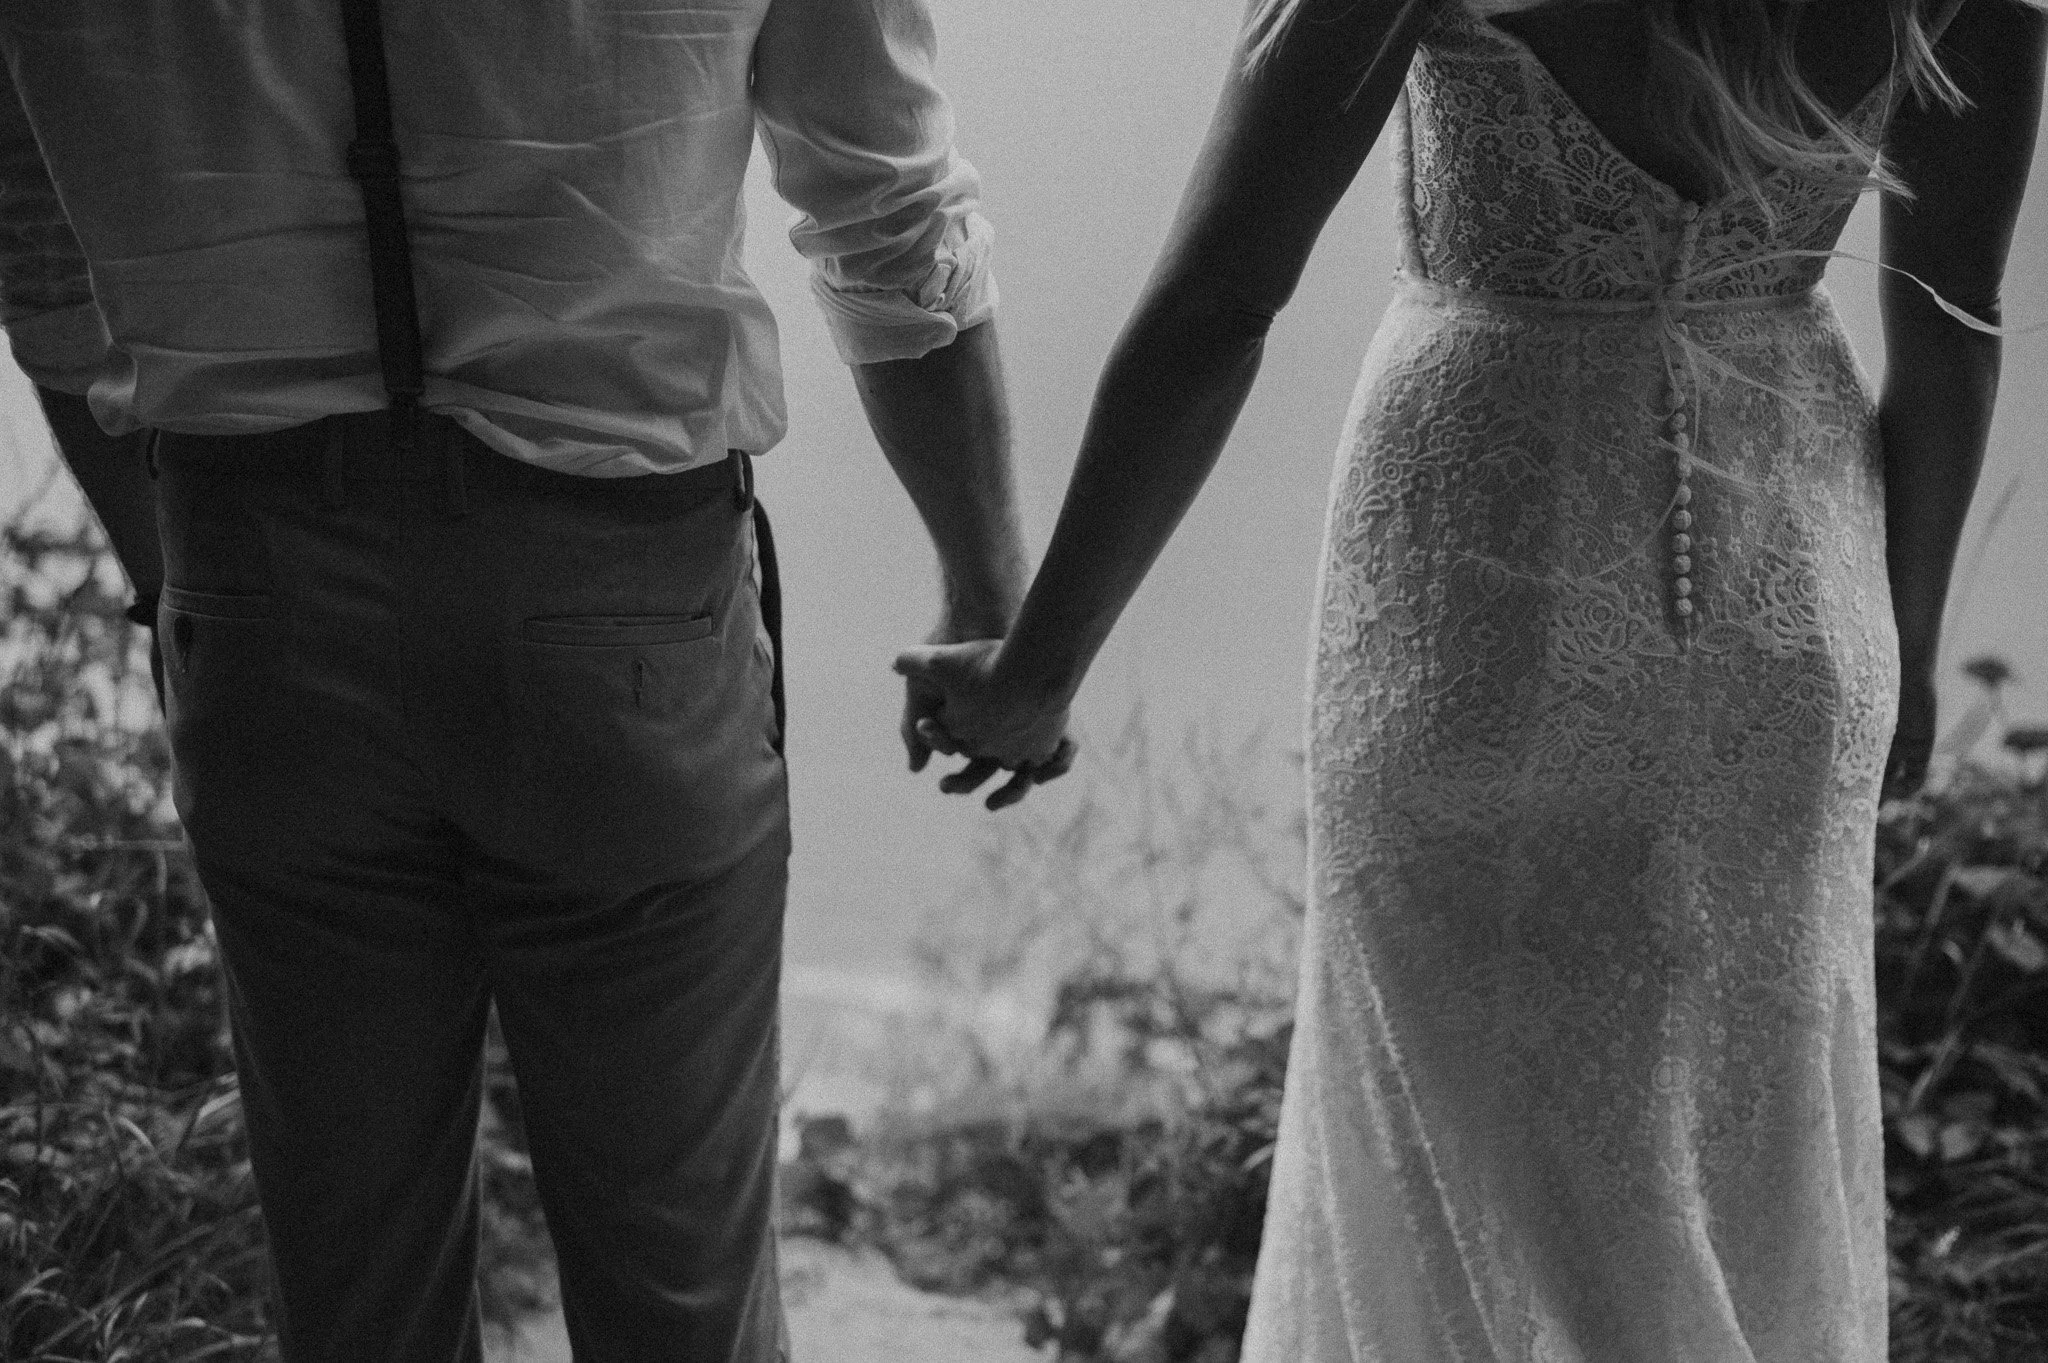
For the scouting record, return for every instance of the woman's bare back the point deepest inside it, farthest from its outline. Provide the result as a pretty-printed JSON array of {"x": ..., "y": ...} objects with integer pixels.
[{"x": 1599, "y": 54}]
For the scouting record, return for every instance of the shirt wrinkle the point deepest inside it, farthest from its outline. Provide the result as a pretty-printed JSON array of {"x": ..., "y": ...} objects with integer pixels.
[
  {"x": 588, "y": 144},
  {"x": 237, "y": 244},
  {"x": 572, "y": 176}
]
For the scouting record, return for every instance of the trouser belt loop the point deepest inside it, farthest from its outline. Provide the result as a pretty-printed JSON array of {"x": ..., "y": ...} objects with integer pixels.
[
  {"x": 333, "y": 461},
  {"x": 404, "y": 416},
  {"x": 742, "y": 478},
  {"x": 451, "y": 473}
]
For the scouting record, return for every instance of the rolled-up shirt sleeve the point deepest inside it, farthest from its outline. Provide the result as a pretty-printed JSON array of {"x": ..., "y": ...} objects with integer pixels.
[
  {"x": 860, "y": 140},
  {"x": 46, "y": 305}
]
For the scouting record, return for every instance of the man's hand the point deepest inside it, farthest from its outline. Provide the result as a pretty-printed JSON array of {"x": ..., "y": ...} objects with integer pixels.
[
  {"x": 922, "y": 700},
  {"x": 968, "y": 710},
  {"x": 923, "y": 697}
]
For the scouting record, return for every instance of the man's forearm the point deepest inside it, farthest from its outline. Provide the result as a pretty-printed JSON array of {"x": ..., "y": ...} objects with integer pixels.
[
  {"x": 116, "y": 483},
  {"x": 943, "y": 422}
]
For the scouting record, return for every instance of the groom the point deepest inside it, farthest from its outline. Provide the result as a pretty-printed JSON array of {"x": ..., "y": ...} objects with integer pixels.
[{"x": 485, "y": 706}]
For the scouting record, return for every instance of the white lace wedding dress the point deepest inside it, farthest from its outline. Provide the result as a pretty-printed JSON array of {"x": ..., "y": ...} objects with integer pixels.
[{"x": 1585, "y": 1066}]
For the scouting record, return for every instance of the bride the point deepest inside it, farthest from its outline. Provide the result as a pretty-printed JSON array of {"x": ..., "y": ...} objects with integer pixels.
[{"x": 1627, "y": 617}]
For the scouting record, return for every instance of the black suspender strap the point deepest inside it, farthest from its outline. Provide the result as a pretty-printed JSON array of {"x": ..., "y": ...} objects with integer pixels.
[{"x": 373, "y": 162}]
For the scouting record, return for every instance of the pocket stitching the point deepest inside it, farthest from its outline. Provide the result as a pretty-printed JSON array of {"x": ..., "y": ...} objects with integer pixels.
[
  {"x": 582, "y": 632},
  {"x": 221, "y": 605}
]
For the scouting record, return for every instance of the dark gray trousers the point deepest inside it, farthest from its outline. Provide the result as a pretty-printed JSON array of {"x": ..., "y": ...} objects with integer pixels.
[{"x": 525, "y": 754}]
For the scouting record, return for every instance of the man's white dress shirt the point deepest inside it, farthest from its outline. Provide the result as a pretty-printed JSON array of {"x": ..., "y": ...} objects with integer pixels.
[{"x": 572, "y": 181}]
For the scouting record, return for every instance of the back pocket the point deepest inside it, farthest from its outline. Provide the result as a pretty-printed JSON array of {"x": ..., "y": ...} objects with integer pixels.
[
  {"x": 624, "y": 742},
  {"x": 193, "y": 619}
]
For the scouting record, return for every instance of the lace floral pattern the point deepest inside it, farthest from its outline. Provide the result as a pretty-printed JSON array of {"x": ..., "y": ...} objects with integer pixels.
[
  {"x": 1585, "y": 1067},
  {"x": 1515, "y": 192}
]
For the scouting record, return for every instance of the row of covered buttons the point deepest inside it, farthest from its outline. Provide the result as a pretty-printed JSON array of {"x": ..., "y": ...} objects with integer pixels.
[
  {"x": 1680, "y": 437},
  {"x": 1679, "y": 434}
]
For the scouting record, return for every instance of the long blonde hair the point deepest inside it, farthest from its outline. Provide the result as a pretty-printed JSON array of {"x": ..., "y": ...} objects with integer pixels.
[{"x": 1734, "y": 98}]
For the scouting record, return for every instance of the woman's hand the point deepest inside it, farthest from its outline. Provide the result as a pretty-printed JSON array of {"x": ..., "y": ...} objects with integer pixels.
[
  {"x": 1905, "y": 771},
  {"x": 991, "y": 720}
]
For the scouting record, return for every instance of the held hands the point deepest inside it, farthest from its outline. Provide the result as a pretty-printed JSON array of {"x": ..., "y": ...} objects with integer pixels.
[{"x": 959, "y": 702}]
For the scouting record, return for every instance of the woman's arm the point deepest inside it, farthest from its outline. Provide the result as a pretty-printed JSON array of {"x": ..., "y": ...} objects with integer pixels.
[
  {"x": 1968, "y": 170},
  {"x": 1287, "y": 140}
]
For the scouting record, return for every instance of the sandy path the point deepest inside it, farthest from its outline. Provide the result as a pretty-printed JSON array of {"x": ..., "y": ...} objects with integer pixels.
[
  {"x": 854, "y": 1040},
  {"x": 847, "y": 1308}
]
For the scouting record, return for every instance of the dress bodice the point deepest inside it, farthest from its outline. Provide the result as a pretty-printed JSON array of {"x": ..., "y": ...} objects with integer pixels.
[{"x": 1511, "y": 189}]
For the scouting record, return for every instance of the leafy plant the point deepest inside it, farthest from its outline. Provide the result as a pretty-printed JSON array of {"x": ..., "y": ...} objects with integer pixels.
[
  {"x": 128, "y": 1223},
  {"x": 1962, "y": 974}
]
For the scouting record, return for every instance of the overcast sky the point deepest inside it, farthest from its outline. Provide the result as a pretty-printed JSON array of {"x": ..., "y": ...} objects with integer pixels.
[{"x": 1083, "y": 116}]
